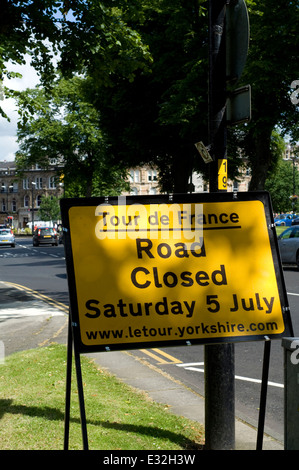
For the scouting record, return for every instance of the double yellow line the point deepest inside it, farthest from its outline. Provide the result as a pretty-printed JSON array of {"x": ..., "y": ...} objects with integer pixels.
[
  {"x": 161, "y": 360},
  {"x": 38, "y": 295},
  {"x": 157, "y": 354}
]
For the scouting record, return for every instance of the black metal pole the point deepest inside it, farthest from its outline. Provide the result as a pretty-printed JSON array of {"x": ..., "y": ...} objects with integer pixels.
[
  {"x": 219, "y": 358},
  {"x": 219, "y": 397},
  {"x": 263, "y": 397}
]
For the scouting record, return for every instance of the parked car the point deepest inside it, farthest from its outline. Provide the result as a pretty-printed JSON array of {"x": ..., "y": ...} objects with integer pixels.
[
  {"x": 44, "y": 235},
  {"x": 7, "y": 237},
  {"x": 288, "y": 242},
  {"x": 295, "y": 221},
  {"x": 284, "y": 219}
]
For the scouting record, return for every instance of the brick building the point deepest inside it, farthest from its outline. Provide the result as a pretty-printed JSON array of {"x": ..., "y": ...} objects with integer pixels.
[
  {"x": 143, "y": 180},
  {"x": 19, "y": 193}
]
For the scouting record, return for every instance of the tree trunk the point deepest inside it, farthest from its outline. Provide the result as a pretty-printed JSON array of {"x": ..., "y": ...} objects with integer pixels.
[
  {"x": 89, "y": 172},
  {"x": 260, "y": 158},
  {"x": 182, "y": 170}
]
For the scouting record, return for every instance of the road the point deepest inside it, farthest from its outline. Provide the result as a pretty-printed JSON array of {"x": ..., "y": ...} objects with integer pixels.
[
  {"x": 39, "y": 268},
  {"x": 43, "y": 269}
]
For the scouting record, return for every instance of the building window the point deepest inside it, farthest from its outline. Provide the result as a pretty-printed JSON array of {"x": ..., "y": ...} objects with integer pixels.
[
  {"x": 14, "y": 205},
  {"x": 26, "y": 201},
  {"x": 25, "y": 183},
  {"x": 52, "y": 182},
  {"x": 134, "y": 176},
  {"x": 152, "y": 175},
  {"x": 38, "y": 200},
  {"x": 3, "y": 205},
  {"x": 38, "y": 183}
]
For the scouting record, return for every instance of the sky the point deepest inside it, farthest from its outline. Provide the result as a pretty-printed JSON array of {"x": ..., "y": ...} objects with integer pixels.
[{"x": 8, "y": 130}]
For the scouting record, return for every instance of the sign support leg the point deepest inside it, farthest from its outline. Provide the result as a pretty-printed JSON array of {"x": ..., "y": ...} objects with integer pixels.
[
  {"x": 70, "y": 346},
  {"x": 68, "y": 385},
  {"x": 263, "y": 397},
  {"x": 81, "y": 398}
]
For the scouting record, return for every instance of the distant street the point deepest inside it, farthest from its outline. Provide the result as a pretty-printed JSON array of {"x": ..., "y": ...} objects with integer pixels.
[
  {"x": 39, "y": 268},
  {"x": 43, "y": 269}
]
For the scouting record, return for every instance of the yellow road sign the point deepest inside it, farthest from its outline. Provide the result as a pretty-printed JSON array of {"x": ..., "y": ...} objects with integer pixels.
[{"x": 182, "y": 271}]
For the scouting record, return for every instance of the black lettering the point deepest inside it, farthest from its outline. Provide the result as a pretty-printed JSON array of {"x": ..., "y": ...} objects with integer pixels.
[
  {"x": 138, "y": 313},
  {"x": 92, "y": 334},
  {"x": 147, "y": 248},
  {"x": 160, "y": 252},
  {"x": 114, "y": 220},
  {"x": 109, "y": 311},
  {"x": 250, "y": 306},
  {"x": 176, "y": 308},
  {"x": 156, "y": 278},
  {"x": 89, "y": 306},
  {"x": 153, "y": 219},
  {"x": 204, "y": 328},
  {"x": 222, "y": 274},
  {"x": 200, "y": 247},
  {"x": 121, "y": 306},
  {"x": 234, "y": 218},
  {"x": 212, "y": 218},
  {"x": 134, "y": 280},
  {"x": 223, "y": 218},
  {"x": 201, "y": 278},
  {"x": 187, "y": 280},
  {"x": 162, "y": 307},
  {"x": 170, "y": 279},
  {"x": 181, "y": 251}
]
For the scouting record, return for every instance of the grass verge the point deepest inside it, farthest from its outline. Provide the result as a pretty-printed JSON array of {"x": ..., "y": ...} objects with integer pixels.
[{"x": 32, "y": 400}]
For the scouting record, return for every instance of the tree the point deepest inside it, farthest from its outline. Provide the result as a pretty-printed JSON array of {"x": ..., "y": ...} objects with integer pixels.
[
  {"x": 281, "y": 185},
  {"x": 159, "y": 116},
  {"x": 49, "y": 208},
  {"x": 272, "y": 66},
  {"x": 62, "y": 125},
  {"x": 81, "y": 34},
  {"x": 162, "y": 114},
  {"x": 146, "y": 66}
]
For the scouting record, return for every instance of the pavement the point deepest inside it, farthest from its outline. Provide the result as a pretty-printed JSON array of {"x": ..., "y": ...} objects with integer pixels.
[{"x": 28, "y": 320}]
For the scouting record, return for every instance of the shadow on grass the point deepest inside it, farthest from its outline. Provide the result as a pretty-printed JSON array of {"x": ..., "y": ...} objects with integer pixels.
[{"x": 54, "y": 414}]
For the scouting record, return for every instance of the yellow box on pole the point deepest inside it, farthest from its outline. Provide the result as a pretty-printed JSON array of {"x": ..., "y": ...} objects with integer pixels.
[{"x": 222, "y": 174}]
